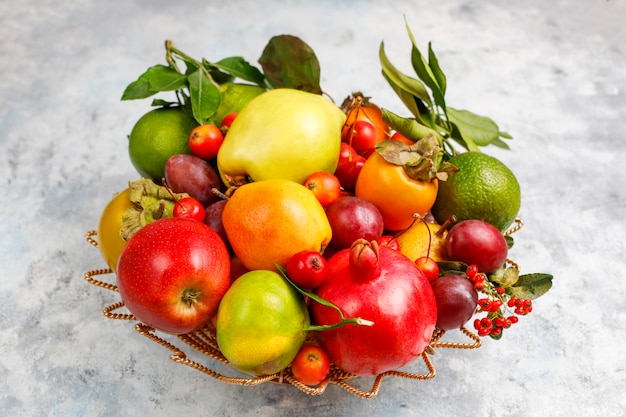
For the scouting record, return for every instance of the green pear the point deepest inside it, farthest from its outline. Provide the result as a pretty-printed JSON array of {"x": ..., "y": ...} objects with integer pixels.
[
  {"x": 282, "y": 134},
  {"x": 262, "y": 321}
]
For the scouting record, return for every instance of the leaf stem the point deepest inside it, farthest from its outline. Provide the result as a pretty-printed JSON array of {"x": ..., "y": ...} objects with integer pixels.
[
  {"x": 357, "y": 321},
  {"x": 169, "y": 49}
]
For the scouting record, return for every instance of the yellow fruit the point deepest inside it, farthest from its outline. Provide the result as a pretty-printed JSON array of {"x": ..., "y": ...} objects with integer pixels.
[
  {"x": 283, "y": 133},
  {"x": 414, "y": 241},
  {"x": 156, "y": 136},
  {"x": 269, "y": 221},
  {"x": 261, "y": 323},
  {"x": 110, "y": 241},
  {"x": 483, "y": 188}
]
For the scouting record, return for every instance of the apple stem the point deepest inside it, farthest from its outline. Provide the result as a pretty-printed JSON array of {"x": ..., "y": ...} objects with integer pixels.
[{"x": 189, "y": 296}]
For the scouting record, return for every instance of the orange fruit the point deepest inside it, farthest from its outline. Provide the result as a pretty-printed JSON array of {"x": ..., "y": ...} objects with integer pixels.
[
  {"x": 269, "y": 221},
  {"x": 362, "y": 109},
  {"x": 483, "y": 188},
  {"x": 156, "y": 136}
]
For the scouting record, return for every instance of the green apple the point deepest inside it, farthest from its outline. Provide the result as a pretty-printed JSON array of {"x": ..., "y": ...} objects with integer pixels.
[{"x": 282, "y": 133}]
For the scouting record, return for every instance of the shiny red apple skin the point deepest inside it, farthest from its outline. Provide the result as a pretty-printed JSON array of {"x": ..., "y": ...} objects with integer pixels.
[{"x": 173, "y": 273}]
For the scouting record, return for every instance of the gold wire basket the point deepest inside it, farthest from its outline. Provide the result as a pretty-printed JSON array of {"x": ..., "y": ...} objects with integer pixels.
[{"x": 205, "y": 342}]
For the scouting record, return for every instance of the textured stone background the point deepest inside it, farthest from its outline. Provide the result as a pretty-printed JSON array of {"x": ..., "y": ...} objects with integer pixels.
[{"x": 550, "y": 73}]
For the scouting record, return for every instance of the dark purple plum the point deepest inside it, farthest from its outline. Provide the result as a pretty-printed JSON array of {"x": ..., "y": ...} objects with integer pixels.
[
  {"x": 213, "y": 219},
  {"x": 194, "y": 176},
  {"x": 479, "y": 243},
  {"x": 456, "y": 300},
  {"x": 353, "y": 218}
]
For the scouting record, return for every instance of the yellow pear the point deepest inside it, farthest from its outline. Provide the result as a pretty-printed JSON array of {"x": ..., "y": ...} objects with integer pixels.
[
  {"x": 269, "y": 221},
  {"x": 414, "y": 241},
  {"x": 282, "y": 133}
]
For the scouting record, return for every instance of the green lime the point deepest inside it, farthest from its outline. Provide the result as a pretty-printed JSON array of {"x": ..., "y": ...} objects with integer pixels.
[
  {"x": 156, "y": 136},
  {"x": 234, "y": 98},
  {"x": 483, "y": 188},
  {"x": 261, "y": 323}
]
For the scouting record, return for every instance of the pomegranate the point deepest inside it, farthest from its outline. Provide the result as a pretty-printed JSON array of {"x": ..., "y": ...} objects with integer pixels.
[{"x": 382, "y": 285}]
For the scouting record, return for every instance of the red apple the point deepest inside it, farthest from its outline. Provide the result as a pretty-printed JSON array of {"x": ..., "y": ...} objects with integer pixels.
[{"x": 173, "y": 273}]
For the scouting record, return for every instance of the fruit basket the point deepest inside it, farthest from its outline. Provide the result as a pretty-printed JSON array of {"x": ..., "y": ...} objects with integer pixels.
[
  {"x": 204, "y": 341},
  {"x": 364, "y": 246}
]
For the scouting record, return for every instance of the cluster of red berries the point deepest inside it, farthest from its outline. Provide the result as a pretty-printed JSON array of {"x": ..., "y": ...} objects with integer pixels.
[
  {"x": 478, "y": 278},
  {"x": 493, "y": 327},
  {"x": 495, "y": 322},
  {"x": 522, "y": 306}
]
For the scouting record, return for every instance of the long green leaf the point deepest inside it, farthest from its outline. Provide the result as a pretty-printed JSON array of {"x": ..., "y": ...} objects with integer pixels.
[
  {"x": 343, "y": 321},
  {"x": 479, "y": 129},
  {"x": 155, "y": 79},
  {"x": 205, "y": 95},
  {"x": 411, "y": 102},
  {"x": 410, "y": 128},
  {"x": 433, "y": 63},
  {"x": 240, "y": 68},
  {"x": 501, "y": 144},
  {"x": 401, "y": 81},
  {"x": 163, "y": 78},
  {"x": 425, "y": 73},
  {"x": 138, "y": 89}
]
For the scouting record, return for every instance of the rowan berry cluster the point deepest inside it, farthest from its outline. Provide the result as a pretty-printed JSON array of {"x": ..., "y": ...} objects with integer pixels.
[{"x": 496, "y": 304}]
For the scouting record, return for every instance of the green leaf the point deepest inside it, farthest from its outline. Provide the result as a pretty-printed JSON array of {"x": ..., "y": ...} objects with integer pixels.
[
  {"x": 191, "y": 65},
  {"x": 505, "y": 277},
  {"x": 163, "y": 78},
  {"x": 501, "y": 144},
  {"x": 157, "y": 102},
  {"x": 288, "y": 62},
  {"x": 452, "y": 267},
  {"x": 238, "y": 67},
  {"x": 425, "y": 73},
  {"x": 433, "y": 63},
  {"x": 531, "y": 286},
  {"x": 155, "y": 79},
  {"x": 466, "y": 142},
  {"x": 357, "y": 321},
  {"x": 410, "y": 128},
  {"x": 479, "y": 129},
  {"x": 137, "y": 90},
  {"x": 205, "y": 95},
  {"x": 402, "y": 83},
  {"x": 414, "y": 104}
]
